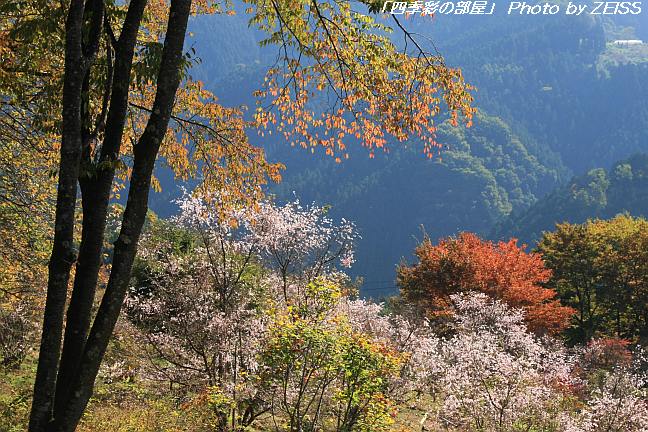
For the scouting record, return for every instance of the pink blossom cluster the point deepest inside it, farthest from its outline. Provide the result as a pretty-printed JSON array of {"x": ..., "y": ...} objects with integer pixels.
[{"x": 492, "y": 374}]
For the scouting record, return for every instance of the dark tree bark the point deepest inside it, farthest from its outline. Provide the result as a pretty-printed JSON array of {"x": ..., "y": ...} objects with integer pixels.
[
  {"x": 77, "y": 61},
  {"x": 61, "y": 392},
  {"x": 95, "y": 192}
]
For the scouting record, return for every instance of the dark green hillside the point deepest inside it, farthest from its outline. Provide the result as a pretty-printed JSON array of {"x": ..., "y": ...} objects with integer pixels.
[
  {"x": 556, "y": 79},
  {"x": 598, "y": 194}
]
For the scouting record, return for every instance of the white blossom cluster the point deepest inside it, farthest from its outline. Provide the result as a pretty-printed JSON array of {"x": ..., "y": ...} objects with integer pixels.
[
  {"x": 200, "y": 314},
  {"x": 16, "y": 328}
]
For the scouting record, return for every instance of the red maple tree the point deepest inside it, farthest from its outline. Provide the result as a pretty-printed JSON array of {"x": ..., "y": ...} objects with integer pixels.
[{"x": 501, "y": 270}]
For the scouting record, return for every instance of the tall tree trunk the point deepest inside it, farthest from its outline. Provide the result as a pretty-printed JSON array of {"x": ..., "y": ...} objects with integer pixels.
[
  {"x": 77, "y": 60},
  {"x": 145, "y": 154},
  {"x": 95, "y": 192}
]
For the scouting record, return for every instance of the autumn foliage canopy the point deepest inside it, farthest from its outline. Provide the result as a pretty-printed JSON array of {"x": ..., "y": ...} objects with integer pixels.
[{"x": 501, "y": 270}]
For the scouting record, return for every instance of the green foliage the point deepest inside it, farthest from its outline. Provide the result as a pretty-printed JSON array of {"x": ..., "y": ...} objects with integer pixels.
[
  {"x": 601, "y": 269},
  {"x": 597, "y": 194},
  {"x": 15, "y": 396},
  {"x": 324, "y": 376}
]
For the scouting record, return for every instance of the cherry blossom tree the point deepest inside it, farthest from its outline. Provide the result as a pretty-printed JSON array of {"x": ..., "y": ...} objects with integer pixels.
[
  {"x": 614, "y": 387},
  {"x": 302, "y": 242},
  {"x": 204, "y": 283},
  {"x": 196, "y": 311},
  {"x": 496, "y": 375},
  {"x": 251, "y": 308},
  {"x": 415, "y": 340}
]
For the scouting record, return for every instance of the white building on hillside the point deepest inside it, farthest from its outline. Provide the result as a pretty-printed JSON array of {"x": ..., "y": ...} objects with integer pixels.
[{"x": 627, "y": 42}]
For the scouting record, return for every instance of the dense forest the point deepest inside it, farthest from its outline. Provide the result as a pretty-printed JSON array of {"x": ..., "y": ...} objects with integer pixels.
[{"x": 314, "y": 216}]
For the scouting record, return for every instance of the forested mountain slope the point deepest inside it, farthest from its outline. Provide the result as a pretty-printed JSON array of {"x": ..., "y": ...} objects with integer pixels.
[
  {"x": 485, "y": 173},
  {"x": 556, "y": 99},
  {"x": 549, "y": 76},
  {"x": 598, "y": 194}
]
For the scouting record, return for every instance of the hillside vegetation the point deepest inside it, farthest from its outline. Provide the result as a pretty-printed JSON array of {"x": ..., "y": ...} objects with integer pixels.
[
  {"x": 598, "y": 194},
  {"x": 309, "y": 216}
]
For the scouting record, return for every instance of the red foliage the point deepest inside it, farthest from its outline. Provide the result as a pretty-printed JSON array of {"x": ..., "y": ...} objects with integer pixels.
[
  {"x": 502, "y": 270},
  {"x": 606, "y": 353}
]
